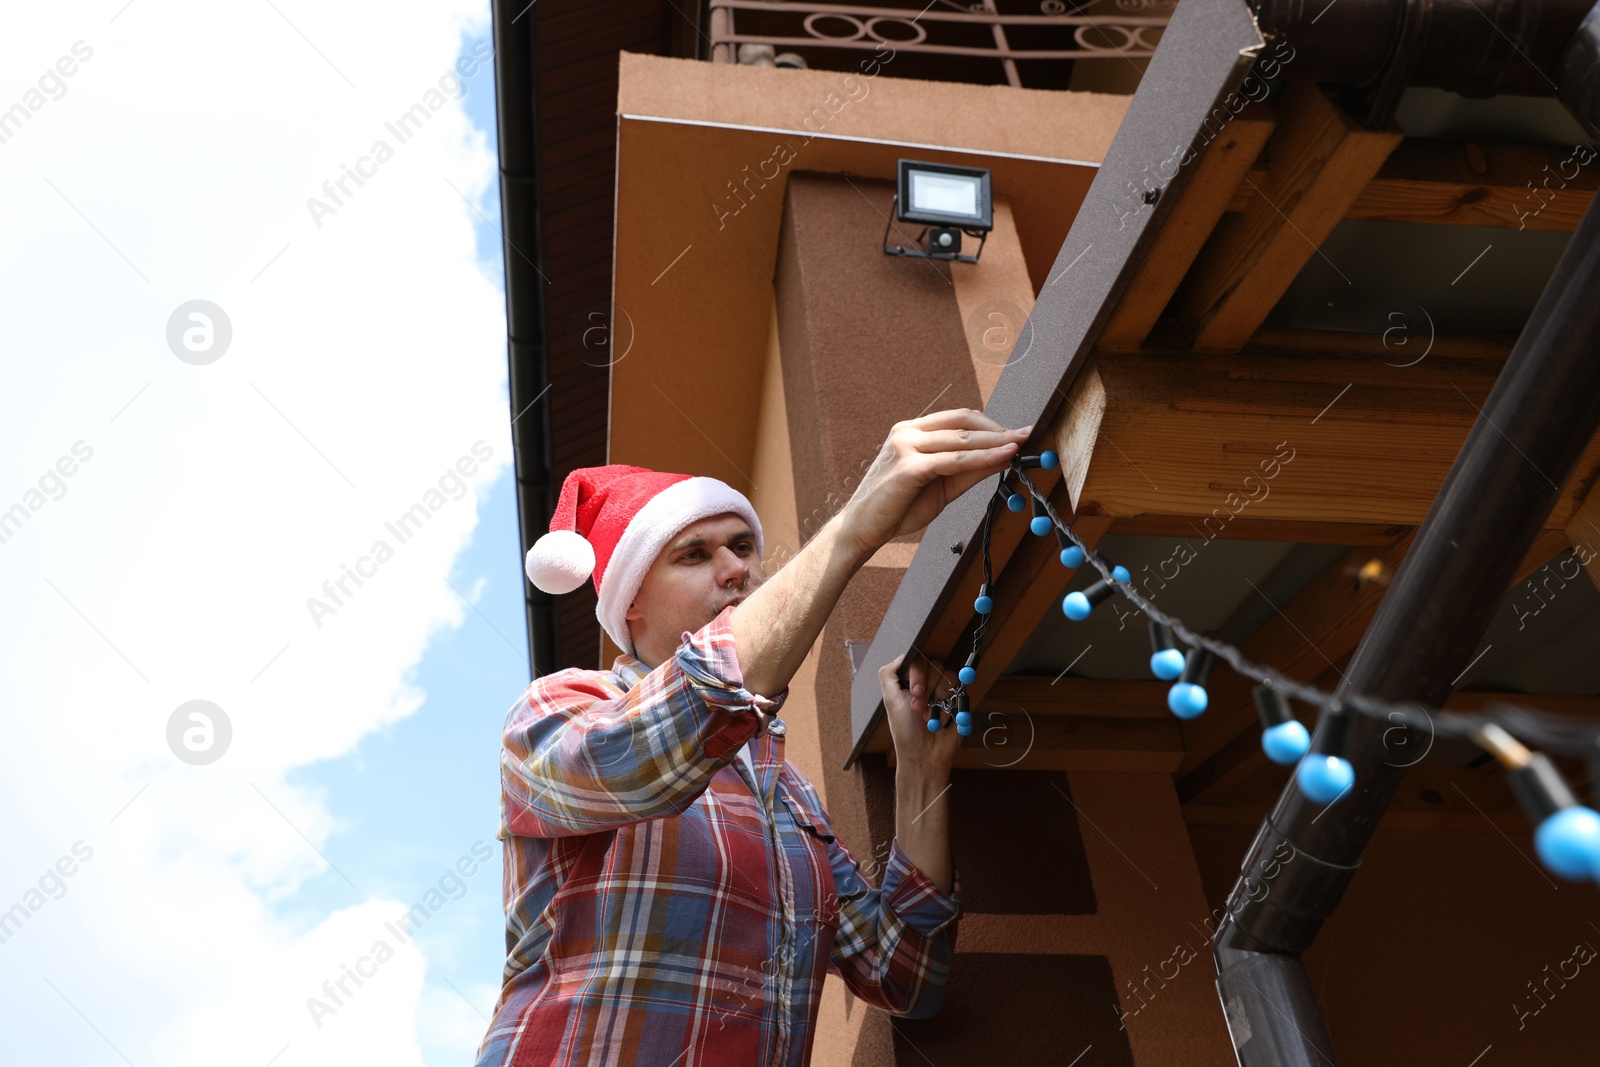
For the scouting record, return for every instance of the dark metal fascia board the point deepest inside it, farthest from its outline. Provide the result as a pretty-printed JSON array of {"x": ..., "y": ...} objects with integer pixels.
[{"x": 1206, "y": 52}]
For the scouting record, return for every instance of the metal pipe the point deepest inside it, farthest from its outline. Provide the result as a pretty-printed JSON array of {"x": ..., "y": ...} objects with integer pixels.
[
  {"x": 1536, "y": 423},
  {"x": 1474, "y": 47}
]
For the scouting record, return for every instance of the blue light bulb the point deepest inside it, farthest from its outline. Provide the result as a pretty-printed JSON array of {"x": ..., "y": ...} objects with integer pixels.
[
  {"x": 1186, "y": 699},
  {"x": 1016, "y": 501},
  {"x": 1040, "y": 525},
  {"x": 1569, "y": 843},
  {"x": 933, "y": 726},
  {"x": 1324, "y": 779},
  {"x": 964, "y": 718},
  {"x": 1072, "y": 557},
  {"x": 1120, "y": 573},
  {"x": 964, "y": 731},
  {"x": 1076, "y": 606},
  {"x": 1167, "y": 664},
  {"x": 1286, "y": 742},
  {"x": 983, "y": 605},
  {"x": 967, "y": 675},
  {"x": 1048, "y": 460}
]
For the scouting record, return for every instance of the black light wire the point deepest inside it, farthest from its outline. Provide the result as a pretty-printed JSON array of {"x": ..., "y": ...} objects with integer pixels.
[
  {"x": 958, "y": 689},
  {"x": 1538, "y": 729}
]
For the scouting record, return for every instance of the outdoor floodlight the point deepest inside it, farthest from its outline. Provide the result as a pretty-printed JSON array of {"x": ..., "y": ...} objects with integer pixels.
[{"x": 948, "y": 201}]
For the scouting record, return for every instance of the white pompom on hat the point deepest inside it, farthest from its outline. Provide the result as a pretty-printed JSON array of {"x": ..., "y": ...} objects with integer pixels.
[
  {"x": 560, "y": 561},
  {"x": 628, "y": 515}
]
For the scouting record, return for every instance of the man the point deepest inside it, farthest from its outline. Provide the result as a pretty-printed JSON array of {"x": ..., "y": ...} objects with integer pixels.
[{"x": 675, "y": 894}]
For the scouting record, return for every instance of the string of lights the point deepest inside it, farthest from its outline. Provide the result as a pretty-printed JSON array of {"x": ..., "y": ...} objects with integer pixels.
[{"x": 1567, "y": 834}]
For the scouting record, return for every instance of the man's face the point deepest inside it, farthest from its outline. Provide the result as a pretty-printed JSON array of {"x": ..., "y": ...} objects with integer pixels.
[{"x": 707, "y": 566}]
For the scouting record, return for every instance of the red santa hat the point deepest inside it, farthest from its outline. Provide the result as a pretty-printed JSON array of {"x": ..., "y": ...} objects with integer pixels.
[{"x": 626, "y": 514}]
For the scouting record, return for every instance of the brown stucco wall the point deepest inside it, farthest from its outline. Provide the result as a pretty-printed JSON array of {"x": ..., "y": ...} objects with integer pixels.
[{"x": 869, "y": 339}]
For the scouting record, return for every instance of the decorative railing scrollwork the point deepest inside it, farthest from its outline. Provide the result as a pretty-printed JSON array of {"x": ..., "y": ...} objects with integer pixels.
[{"x": 942, "y": 30}]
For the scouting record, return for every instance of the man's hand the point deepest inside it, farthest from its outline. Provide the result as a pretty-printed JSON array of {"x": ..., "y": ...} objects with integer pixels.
[
  {"x": 924, "y": 465},
  {"x": 921, "y": 773},
  {"x": 918, "y": 750}
]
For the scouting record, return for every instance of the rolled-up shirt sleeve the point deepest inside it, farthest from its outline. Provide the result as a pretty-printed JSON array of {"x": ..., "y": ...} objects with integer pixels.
[
  {"x": 579, "y": 756},
  {"x": 894, "y": 943}
]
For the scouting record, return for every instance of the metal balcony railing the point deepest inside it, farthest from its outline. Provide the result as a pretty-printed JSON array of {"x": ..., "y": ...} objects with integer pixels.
[{"x": 1102, "y": 30}]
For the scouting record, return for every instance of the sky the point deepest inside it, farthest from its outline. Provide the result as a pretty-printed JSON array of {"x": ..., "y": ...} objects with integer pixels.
[{"x": 258, "y": 538}]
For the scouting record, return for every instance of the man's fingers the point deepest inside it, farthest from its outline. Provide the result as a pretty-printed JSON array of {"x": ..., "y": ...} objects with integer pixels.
[
  {"x": 956, "y": 418},
  {"x": 962, "y": 468},
  {"x": 917, "y": 675},
  {"x": 966, "y": 440}
]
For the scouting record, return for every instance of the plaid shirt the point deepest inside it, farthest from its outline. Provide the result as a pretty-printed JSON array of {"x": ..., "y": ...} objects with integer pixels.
[{"x": 663, "y": 909}]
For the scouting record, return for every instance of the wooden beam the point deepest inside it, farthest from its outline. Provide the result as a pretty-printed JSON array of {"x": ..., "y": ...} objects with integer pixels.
[
  {"x": 1080, "y": 760},
  {"x": 1218, "y": 173},
  {"x": 1006, "y": 735},
  {"x": 1491, "y": 348},
  {"x": 1318, "y": 160},
  {"x": 1045, "y": 694},
  {"x": 1583, "y": 532},
  {"x": 1077, "y": 430},
  {"x": 1454, "y": 183},
  {"x": 1246, "y": 527},
  {"x": 1069, "y": 744},
  {"x": 1577, "y": 707},
  {"x": 1286, "y": 434},
  {"x": 1241, "y": 761},
  {"x": 1119, "y": 698},
  {"x": 1432, "y": 797},
  {"x": 1510, "y": 822}
]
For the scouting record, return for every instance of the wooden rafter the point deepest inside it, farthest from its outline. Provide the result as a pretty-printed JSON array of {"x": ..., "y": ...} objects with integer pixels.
[
  {"x": 1583, "y": 532},
  {"x": 1219, "y": 171},
  {"x": 1465, "y": 184},
  {"x": 1246, "y": 527},
  {"x": 1319, "y": 159},
  {"x": 1459, "y": 799}
]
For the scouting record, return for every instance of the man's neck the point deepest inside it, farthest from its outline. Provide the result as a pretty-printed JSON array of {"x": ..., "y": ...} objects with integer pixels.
[{"x": 650, "y": 662}]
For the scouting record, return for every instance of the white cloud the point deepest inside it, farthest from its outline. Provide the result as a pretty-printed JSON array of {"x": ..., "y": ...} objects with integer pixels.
[{"x": 176, "y": 560}]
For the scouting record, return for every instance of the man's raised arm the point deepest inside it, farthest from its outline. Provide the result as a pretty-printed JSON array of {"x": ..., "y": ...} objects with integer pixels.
[{"x": 924, "y": 465}]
